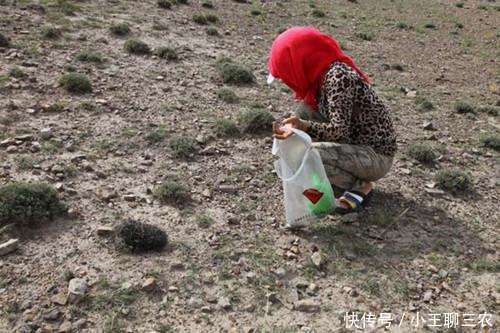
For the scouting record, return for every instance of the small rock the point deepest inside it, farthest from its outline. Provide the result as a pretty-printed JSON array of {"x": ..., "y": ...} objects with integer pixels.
[
  {"x": 52, "y": 315},
  {"x": 428, "y": 126},
  {"x": 227, "y": 189},
  {"x": 280, "y": 273},
  {"x": 206, "y": 309},
  {"x": 250, "y": 277},
  {"x": 412, "y": 93},
  {"x": 46, "y": 133},
  {"x": 312, "y": 288},
  {"x": 433, "y": 269},
  {"x": 59, "y": 299},
  {"x": 206, "y": 193},
  {"x": 7, "y": 142},
  {"x": 76, "y": 290},
  {"x": 105, "y": 231},
  {"x": 173, "y": 289},
  {"x": 149, "y": 284},
  {"x": 11, "y": 149},
  {"x": 349, "y": 218},
  {"x": 177, "y": 265},
  {"x": 427, "y": 296},
  {"x": 317, "y": 259},
  {"x": 233, "y": 220},
  {"x": 129, "y": 197},
  {"x": 9, "y": 246},
  {"x": 65, "y": 327},
  {"x": 25, "y": 137},
  {"x": 306, "y": 305},
  {"x": 224, "y": 303}
]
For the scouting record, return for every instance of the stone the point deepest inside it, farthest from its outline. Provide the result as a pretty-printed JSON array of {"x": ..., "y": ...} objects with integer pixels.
[
  {"x": 227, "y": 189},
  {"x": 206, "y": 309},
  {"x": 9, "y": 246},
  {"x": 105, "y": 231},
  {"x": 76, "y": 290},
  {"x": 11, "y": 149},
  {"x": 427, "y": 296},
  {"x": 59, "y": 299},
  {"x": 173, "y": 289},
  {"x": 52, "y": 315},
  {"x": 65, "y": 327},
  {"x": 317, "y": 259},
  {"x": 307, "y": 305},
  {"x": 149, "y": 284},
  {"x": 250, "y": 277},
  {"x": 7, "y": 142},
  {"x": 129, "y": 197},
  {"x": 25, "y": 137},
  {"x": 106, "y": 195},
  {"x": 428, "y": 126},
  {"x": 46, "y": 133},
  {"x": 224, "y": 303},
  {"x": 177, "y": 265}
]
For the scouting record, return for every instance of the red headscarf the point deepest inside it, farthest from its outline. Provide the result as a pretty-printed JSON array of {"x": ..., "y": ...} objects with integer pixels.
[{"x": 300, "y": 56}]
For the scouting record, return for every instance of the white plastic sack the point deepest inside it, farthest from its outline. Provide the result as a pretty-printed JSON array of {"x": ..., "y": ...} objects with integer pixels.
[{"x": 308, "y": 194}]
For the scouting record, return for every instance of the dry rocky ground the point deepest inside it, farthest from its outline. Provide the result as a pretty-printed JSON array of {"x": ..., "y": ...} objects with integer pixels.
[{"x": 423, "y": 246}]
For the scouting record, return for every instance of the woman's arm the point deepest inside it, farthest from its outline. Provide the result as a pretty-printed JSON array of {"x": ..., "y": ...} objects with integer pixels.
[{"x": 339, "y": 89}]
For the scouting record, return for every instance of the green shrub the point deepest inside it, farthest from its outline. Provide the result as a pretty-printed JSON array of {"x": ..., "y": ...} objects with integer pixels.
[
  {"x": 172, "y": 192},
  {"x": 423, "y": 104},
  {"x": 365, "y": 35},
  {"x": 453, "y": 180},
  {"x": 182, "y": 147},
  {"x": 166, "y": 52},
  {"x": 255, "y": 12},
  {"x": 204, "y": 221},
  {"x": 50, "y": 32},
  {"x": 157, "y": 135},
  {"x": 212, "y": 18},
  {"x": 401, "y": 25},
  {"x": 430, "y": 25},
  {"x": 165, "y": 4},
  {"x": 491, "y": 141},
  {"x": 140, "y": 237},
  {"x": 490, "y": 110},
  {"x": 227, "y": 95},
  {"x": 90, "y": 56},
  {"x": 29, "y": 203},
  {"x": 76, "y": 83},
  {"x": 459, "y": 5},
  {"x": 318, "y": 13},
  {"x": 135, "y": 46},
  {"x": 4, "y": 41},
  {"x": 423, "y": 153},
  {"x": 255, "y": 120},
  {"x": 200, "y": 19},
  {"x": 226, "y": 127},
  {"x": 17, "y": 72},
  {"x": 464, "y": 107},
  {"x": 120, "y": 29},
  {"x": 67, "y": 8},
  {"x": 212, "y": 31},
  {"x": 207, "y": 4},
  {"x": 233, "y": 73}
]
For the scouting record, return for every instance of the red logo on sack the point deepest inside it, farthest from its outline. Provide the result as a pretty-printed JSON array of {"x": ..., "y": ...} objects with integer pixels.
[{"x": 313, "y": 195}]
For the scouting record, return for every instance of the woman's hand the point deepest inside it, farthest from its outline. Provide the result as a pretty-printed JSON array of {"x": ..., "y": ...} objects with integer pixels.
[{"x": 284, "y": 130}]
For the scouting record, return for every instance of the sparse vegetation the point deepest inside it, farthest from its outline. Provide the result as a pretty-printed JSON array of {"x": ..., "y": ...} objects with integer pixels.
[
  {"x": 430, "y": 25},
  {"x": 423, "y": 153},
  {"x": 316, "y": 12},
  {"x": 200, "y": 19},
  {"x": 50, "y": 32},
  {"x": 365, "y": 35},
  {"x": 157, "y": 135},
  {"x": 90, "y": 56},
  {"x": 172, "y": 192},
  {"x": 76, "y": 83},
  {"x": 16, "y": 72},
  {"x": 4, "y": 41},
  {"x": 255, "y": 12},
  {"x": 140, "y": 237},
  {"x": 491, "y": 141},
  {"x": 165, "y": 4},
  {"x": 207, "y": 4},
  {"x": 212, "y": 31},
  {"x": 227, "y": 95},
  {"x": 464, "y": 107},
  {"x": 459, "y": 5},
  {"x": 204, "y": 221},
  {"x": 402, "y": 25},
  {"x": 136, "y": 46},
  {"x": 233, "y": 73},
  {"x": 29, "y": 203},
  {"x": 255, "y": 120},
  {"x": 168, "y": 53},
  {"x": 453, "y": 180},
  {"x": 423, "y": 104},
  {"x": 120, "y": 29},
  {"x": 182, "y": 146},
  {"x": 490, "y": 110},
  {"x": 226, "y": 127}
]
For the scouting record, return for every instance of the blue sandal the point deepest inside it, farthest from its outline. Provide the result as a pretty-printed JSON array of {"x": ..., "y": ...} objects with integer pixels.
[{"x": 354, "y": 199}]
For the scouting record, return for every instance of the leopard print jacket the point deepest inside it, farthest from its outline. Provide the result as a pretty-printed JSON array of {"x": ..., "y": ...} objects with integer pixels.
[{"x": 353, "y": 113}]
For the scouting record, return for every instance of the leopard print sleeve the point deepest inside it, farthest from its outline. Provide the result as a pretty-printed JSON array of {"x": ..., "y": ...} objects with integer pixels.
[{"x": 336, "y": 104}]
